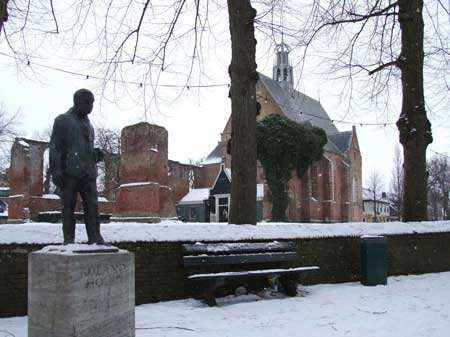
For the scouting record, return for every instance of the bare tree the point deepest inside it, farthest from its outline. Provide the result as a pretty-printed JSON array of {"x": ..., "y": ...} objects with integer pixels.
[
  {"x": 385, "y": 40},
  {"x": 374, "y": 187},
  {"x": 108, "y": 140},
  {"x": 439, "y": 187},
  {"x": 396, "y": 186},
  {"x": 9, "y": 123}
]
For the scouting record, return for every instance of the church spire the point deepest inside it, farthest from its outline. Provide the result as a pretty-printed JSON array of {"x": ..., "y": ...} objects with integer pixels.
[{"x": 282, "y": 70}]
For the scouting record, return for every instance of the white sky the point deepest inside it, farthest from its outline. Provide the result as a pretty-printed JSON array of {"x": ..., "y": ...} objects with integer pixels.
[{"x": 195, "y": 120}]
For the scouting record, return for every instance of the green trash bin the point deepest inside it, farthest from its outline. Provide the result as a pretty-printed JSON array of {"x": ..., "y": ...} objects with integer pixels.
[{"x": 373, "y": 260}]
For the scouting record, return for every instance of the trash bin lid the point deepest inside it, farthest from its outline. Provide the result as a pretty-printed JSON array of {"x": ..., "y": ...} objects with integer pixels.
[{"x": 373, "y": 238}]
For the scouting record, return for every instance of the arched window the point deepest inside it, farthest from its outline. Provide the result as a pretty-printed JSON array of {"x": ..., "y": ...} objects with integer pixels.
[{"x": 278, "y": 75}]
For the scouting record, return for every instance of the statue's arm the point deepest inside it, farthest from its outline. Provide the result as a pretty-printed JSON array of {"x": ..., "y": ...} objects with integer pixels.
[{"x": 57, "y": 152}]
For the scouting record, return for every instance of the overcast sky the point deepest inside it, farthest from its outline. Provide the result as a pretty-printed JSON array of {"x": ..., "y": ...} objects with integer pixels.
[{"x": 196, "y": 117}]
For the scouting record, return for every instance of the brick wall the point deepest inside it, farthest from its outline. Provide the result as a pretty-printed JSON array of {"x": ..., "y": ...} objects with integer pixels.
[
  {"x": 160, "y": 275},
  {"x": 178, "y": 178}
]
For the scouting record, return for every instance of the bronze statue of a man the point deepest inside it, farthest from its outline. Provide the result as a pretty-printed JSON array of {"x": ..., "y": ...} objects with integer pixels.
[{"x": 73, "y": 165}]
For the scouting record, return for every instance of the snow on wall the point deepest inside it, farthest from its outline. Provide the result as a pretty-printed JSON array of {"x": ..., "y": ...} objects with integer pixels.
[{"x": 46, "y": 233}]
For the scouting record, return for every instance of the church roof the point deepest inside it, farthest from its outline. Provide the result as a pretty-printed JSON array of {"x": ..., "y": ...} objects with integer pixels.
[
  {"x": 298, "y": 106},
  {"x": 216, "y": 152},
  {"x": 342, "y": 140},
  {"x": 214, "y": 157},
  {"x": 331, "y": 147},
  {"x": 305, "y": 110}
]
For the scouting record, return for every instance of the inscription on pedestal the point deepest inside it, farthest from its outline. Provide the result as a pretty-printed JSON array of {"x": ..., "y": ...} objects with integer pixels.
[{"x": 101, "y": 276}]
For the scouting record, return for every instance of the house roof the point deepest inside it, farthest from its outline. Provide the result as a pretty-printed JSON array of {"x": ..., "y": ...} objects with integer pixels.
[
  {"x": 198, "y": 195},
  {"x": 195, "y": 196}
]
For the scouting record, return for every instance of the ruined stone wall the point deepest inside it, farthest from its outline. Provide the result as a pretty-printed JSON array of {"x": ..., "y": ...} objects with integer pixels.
[
  {"x": 144, "y": 154},
  {"x": 209, "y": 174},
  {"x": 144, "y": 173},
  {"x": 179, "y": 178},
  {"x": 25, "y": 178}
]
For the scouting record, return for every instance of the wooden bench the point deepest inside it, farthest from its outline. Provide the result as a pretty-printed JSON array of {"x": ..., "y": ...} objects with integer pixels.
[{"x": 214, "y": 264}]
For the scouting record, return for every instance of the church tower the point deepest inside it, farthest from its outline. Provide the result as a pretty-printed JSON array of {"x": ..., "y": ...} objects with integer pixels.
[{"x": 282, "y": 70}]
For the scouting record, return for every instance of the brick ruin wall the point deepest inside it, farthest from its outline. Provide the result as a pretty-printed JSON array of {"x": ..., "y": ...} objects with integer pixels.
[
  {"x": 144, "y": 169},
  {"x": 26, "y": 180}
]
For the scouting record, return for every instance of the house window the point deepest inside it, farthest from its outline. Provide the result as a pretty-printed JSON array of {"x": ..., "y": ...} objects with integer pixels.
[
  {"x": 192, "y": 214},
  {"x": 222, "y": 204}
]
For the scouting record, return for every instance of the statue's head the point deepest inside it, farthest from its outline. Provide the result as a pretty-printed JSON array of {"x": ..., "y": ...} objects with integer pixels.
[{"x": 83, "y": 102}]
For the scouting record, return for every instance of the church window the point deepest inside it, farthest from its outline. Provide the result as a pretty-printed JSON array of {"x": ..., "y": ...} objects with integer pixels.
[
  {"x": 331, "y": 179},
  {"x": 191, "y": 179},
  {"x": 285, "y": 74},
  {"x": 315, "y": 181},
  {"x": 278, "y": 75}
]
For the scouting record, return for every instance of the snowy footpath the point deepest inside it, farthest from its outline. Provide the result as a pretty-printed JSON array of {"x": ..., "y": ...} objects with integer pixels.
[{"x": 409, "y": 306}]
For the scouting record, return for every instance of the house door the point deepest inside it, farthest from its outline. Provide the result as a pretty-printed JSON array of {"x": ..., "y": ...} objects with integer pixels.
[{"x": 223, "y": 209}]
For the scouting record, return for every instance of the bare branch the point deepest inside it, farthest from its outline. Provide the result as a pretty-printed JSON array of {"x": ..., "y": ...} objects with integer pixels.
[
  {"x": 54, "y": 17},
  {"x": 138, "y": 29},
  {"x": 383, "y": 66}
]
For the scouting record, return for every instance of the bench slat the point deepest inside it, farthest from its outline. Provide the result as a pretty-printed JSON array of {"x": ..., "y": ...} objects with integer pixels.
[
  {"x": 235, "y": 247},
  {"x": 205, "y": 260},
  {"x": 252, "y": 273}
]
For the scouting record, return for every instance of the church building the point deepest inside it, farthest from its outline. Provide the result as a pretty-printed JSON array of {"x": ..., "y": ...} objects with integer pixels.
[{"x": 331, "y": 189}]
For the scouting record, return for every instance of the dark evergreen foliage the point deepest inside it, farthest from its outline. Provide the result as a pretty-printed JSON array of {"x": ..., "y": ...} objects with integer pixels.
[{"x": 283, "y": 146}]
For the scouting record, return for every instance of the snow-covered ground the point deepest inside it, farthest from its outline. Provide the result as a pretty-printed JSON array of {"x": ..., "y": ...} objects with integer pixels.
[
  {"x": 409, "y": 306},
  {"x": 169, "y": 230}
]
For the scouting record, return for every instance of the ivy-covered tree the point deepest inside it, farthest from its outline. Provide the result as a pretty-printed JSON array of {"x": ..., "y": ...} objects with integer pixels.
[{"x": 282, "y": 147}]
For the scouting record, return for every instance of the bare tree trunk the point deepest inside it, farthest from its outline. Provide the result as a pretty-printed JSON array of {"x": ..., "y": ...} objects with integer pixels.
[
  {"x": 243, "y": 76},
  {"x": 3, "y": 13},
  {"x": 413, "y": 124},
  {"x": 396, "y": 191},
  {"x": 375, "y": 211}
]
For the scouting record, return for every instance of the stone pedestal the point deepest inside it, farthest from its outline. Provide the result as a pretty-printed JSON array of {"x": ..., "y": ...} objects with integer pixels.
[{"x": 83, "y": 294}]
